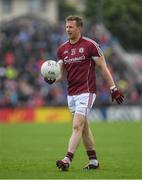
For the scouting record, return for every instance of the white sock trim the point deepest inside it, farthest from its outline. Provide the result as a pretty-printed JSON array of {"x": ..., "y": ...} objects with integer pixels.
[
  {"x": 94, "y": 162},
  {"x": 67, "y": 159}
]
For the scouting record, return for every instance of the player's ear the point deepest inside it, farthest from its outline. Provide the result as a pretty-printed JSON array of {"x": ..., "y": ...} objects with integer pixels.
[{"x": 80, "y": 28}]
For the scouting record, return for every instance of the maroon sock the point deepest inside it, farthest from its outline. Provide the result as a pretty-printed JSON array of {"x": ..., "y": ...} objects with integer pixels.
[
  {"x": 91, "y": 154},
  {"x": 69, "y": 155}
]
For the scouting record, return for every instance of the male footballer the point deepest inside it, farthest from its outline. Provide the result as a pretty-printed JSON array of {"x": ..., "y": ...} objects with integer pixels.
[{"x": 79, "y": 57}]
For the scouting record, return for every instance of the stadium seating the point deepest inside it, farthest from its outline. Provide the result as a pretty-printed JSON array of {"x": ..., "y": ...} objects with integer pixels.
[{"x": 25, "y": 43}]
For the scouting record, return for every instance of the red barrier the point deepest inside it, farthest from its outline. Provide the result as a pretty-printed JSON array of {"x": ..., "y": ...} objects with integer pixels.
[{"x": 51, "y": 114}]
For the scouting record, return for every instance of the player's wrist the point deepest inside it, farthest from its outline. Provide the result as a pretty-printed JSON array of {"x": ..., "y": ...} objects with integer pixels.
[{"x": 113, "y": 88}]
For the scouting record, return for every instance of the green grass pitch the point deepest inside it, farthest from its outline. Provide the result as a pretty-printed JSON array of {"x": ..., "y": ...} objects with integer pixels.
[{"x": 29, "y": 151}]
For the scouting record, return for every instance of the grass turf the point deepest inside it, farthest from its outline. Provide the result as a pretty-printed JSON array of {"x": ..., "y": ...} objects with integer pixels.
[{"x": 29, "y": 151}]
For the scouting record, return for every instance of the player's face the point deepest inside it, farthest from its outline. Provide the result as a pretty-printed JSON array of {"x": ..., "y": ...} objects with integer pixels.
[{"x": 72, "y": 30}]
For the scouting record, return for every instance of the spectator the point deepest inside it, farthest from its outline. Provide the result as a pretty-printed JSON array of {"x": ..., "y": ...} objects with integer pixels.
[{"x": 26, "y": 43}]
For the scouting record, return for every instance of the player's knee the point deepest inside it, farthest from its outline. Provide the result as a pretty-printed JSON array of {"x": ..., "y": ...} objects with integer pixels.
[
  {"x": 78, "y": 127},
  {"x": 78, "y": 122},
  {"x": 85, "y": 130}
]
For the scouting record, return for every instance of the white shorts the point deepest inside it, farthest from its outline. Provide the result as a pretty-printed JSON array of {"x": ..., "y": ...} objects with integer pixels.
[{"x": 82, "y": 103}]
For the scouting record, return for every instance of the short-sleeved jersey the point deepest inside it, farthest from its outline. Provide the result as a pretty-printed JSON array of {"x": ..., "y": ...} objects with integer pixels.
[{"x": 79, "y": 64}]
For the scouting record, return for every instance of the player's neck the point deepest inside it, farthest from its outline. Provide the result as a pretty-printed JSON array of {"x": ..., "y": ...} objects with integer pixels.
[{"x": 75, "y": 40}]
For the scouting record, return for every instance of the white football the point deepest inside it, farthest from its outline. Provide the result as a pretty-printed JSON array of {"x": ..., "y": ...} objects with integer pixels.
[{"x": 50, "y": 69}]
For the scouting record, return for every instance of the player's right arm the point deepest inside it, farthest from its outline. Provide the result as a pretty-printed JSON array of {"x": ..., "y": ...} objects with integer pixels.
[
  {"x": 60, "y": 61},
  {"x": 61, "y": 75}
]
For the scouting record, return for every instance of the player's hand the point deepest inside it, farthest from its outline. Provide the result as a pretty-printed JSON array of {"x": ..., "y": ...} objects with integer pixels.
[
  {"x": 49, "y": 81},
  {"x": 117, "y": 95}
]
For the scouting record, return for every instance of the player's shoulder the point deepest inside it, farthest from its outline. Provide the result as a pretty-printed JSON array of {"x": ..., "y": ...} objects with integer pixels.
[
  {"x": 90, "y": 41},
  {"x": 62, "y": 46}
]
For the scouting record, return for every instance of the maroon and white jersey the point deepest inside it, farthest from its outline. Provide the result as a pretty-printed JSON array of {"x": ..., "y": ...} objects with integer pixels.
[{"x": 79, "y": 64}]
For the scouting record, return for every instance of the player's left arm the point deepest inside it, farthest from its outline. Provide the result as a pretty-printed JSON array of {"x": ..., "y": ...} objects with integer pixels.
[{"x": 115, "y": 93}]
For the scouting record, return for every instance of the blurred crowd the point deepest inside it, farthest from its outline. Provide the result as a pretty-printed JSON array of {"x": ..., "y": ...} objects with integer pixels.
[{"x": 26, "y": 43}]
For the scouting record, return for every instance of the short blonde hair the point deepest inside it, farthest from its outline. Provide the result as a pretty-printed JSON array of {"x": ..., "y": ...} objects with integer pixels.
[{"x": 78, "y": 19}]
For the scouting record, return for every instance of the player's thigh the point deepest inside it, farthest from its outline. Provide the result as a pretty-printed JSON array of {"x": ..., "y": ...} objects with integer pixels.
[
  {"x": 78, "y": 121},
  {"x": 71, "y": 104},
  {"x": 84, "y": 103}
]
